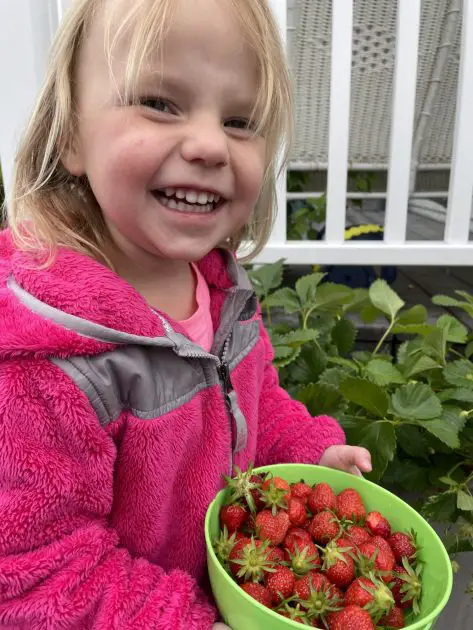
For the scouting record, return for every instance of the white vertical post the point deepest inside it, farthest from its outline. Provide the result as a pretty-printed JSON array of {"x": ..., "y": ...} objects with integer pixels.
[
  {"x": 405, "y": 84},
  {"x": 26, "y": 28},
  {"x": 279, "y": 233},
  {"x": 339, "y": 128},
  {"x": 461, "y": 182}
]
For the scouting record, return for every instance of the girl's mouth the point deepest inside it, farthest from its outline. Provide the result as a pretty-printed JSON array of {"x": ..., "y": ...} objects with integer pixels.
[{"x": 190, "y": 201}]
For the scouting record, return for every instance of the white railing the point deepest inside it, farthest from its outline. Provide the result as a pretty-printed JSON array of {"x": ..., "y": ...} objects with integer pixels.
[
  {"x": 26, "y": 28},
  {"x": 455, "y": 249}
]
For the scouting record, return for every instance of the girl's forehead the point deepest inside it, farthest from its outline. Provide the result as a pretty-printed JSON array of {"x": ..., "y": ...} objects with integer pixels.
[{"x": 200, "y": 29}]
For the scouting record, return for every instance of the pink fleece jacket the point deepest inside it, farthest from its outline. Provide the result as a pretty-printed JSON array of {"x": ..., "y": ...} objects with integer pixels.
[{"x": 114, "y": 437}]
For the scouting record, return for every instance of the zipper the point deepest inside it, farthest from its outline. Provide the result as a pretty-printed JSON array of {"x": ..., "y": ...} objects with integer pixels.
[{"x": 223, "y": 371}]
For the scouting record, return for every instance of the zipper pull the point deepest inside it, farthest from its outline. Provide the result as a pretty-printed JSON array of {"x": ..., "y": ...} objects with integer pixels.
[{"x": 224, "y": 373}]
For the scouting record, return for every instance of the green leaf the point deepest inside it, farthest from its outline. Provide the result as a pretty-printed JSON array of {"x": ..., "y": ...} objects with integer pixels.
[
  {"x": 344, "y": 335},
  {"x": 413, "y": 329},
  {"x": 284, "y": 356},
  {"x": 456, "y": 332},
  {"x": 384, "y": 298},
  {"x": 384, "y": 373},
  {"x": 448, "y": 481},
  {"x": 464, "y": 501},
  {"x": 346, "y": 363},
  {"x": 266, "y": 277},
  {"x": 446, "y": 428},
  {"x": 365, "y": 394},
  {"x": 413, "y": 441},
  {"x": 459, "y": 373},
  {"x": 466, "y": 296},
  {"x": 445, "y": 300},
  {"x": 285, "y": 298},
  {"x": 461, "y": 394},
  {"x": 333, "y": 296},
  {"x": 469, "y": 350},
  {"x": 415, "y": 401},
  {"x": 455, "y": 544},
  {"x": 370, "y": 314},
  {"x": 321, "y": 400},
  {"x": 307, "y": 368},
  {"x": 441, "y": 507},
  {"x": 435, "y": 344},
  {"x": 296, "y": 338},
  {"x": 416, "y": 315},
  {"x": 306, "y": 288},
  {"x": 380, "y": 439},
  {"x": 333, "y": 377},
  {"x": 407, "y": 474},
  {"x": 418, "y": 365}
]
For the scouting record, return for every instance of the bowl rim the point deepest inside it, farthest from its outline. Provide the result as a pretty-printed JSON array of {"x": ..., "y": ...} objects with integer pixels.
[{"x": 418, "y": 625}]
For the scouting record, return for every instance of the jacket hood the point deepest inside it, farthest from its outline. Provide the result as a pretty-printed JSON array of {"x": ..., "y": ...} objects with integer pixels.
[{"x": 77, "y": 306}]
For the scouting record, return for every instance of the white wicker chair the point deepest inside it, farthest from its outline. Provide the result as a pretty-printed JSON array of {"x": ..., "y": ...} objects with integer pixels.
[{"x": 374, "y": 49}]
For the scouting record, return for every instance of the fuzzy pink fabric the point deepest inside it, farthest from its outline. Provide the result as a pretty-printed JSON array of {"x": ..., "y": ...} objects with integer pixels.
[{"x": 103, "y": 528}]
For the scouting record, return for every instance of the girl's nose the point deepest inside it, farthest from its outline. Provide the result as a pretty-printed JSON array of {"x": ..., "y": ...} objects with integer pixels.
[{"x": 206, "y": 143}]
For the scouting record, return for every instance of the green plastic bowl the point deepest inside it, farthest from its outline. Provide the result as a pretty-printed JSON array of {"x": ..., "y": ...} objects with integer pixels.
[{"x": 241, "y": 612}]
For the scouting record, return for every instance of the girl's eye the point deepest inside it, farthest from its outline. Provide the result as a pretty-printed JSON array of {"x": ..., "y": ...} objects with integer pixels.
[
  {"x": 158, "y": 104},
  {"x": 241, "y": 123}
]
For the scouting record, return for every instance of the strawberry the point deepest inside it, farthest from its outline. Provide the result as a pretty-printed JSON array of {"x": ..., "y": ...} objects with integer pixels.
[
  {"x": 301, "y": 490},
  {"x": 338, "y": 565},
  {"x": 246, "y": 486},
  {"x": 225, "y": 543},
  {"x": 370, "y": 594},
  {"x": 304, "y": 560},
  {"x": 297, "y": 512},
  {"x": 296, "y": 537},
  {"x": 248, "y": 560},
  {"x": 347, "y": 544},
  {"x": 394, "y": 619},
  {"x": 406, "y": 586},
  {"x": 378, "y": 525},
  {"x": 280, "y": 584},
  {"x": 293, "y": 612},
  {"x": 318, "y": 596},
  {"x": 351, "y": 618},
  {"x": 275, "y": 555},
  {"x": 258, "y": 592},
  {"x": 357, "y": 535},
  {"x": 403, "y": 546},
  {"x": 233, "y": 517},
  {"x": 324, "y": 527},
  {"x": 350, "y": 505},
  {"x": 358, "y": 594},
  {"x": 275, "y": 493},
  {"x": 277, "y": 482},
  {"x": 303, "y": 585},
  {"x": 321, "y": 498},
  {"x": 272, "y": 527},
  {"x": 374, "y": 556}
]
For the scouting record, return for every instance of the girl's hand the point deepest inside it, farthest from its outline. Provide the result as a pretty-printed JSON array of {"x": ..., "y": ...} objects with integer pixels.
[
  {"x": 352, "y": 459},
  {"x": 220, "y": 626}
]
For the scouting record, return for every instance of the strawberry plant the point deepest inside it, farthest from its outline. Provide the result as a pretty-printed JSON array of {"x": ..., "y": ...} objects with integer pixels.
[{"x": 409, "y": 399}]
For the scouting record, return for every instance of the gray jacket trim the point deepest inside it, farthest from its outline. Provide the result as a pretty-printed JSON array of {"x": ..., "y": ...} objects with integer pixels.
[{"x": 152, "y": 376}]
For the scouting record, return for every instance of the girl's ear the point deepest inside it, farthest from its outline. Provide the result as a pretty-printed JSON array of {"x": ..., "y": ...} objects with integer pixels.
[{"x": 72, "y": 159}]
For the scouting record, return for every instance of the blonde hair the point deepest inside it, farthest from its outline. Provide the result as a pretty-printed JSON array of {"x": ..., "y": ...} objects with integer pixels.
[{"x": 49, "y": 207}]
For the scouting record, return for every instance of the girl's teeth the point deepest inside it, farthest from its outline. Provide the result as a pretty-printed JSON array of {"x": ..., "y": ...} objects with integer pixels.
[
  {"x": 169, "y": 192},
  {"x": 181, "y": 206},
  {"x": 191, "y": 197},
  {"x": 181, "y": 194}
]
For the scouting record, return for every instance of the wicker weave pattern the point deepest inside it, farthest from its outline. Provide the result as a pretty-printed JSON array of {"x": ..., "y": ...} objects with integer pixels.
[{"x": 374, "y": 49}]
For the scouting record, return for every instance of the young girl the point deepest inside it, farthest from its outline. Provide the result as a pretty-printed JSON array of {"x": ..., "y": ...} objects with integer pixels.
[{"x": 134, "y": 367}]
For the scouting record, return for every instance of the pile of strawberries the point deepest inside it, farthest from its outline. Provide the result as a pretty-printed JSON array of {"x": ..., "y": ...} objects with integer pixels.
[{"x": 316, "y": 557}]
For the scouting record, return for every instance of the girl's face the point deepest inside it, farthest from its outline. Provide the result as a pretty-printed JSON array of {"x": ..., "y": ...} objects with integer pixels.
[{"x": 179, "y": 173}]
